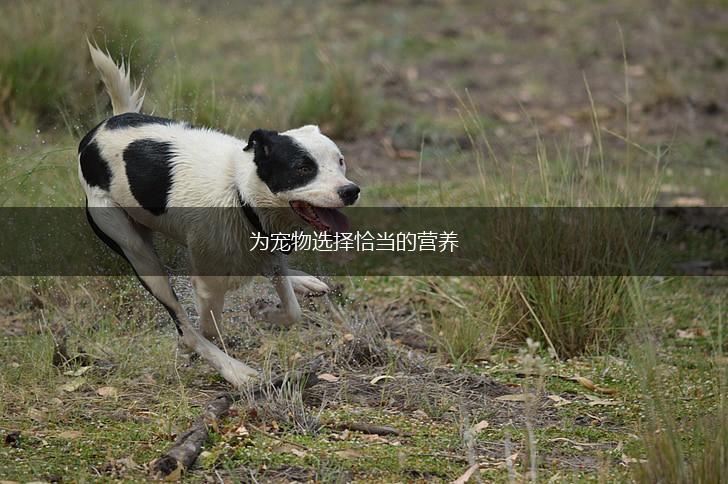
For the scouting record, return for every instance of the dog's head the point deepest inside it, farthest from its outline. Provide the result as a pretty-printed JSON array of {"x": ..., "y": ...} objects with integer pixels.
[{"x": 306, "y": 170}]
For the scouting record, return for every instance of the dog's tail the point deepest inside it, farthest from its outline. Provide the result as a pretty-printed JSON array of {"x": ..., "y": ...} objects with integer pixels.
[{"x": 125, "y": 97}]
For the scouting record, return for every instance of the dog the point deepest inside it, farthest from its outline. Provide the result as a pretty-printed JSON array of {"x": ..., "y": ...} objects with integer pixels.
[{"x": 144, "y": 174}]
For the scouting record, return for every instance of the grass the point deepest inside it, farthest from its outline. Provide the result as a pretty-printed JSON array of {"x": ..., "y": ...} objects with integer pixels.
[
  {"x": 46, "y": 73},
  {"x": 499, "y": 106},
  {"x": 339, "y": 104}
]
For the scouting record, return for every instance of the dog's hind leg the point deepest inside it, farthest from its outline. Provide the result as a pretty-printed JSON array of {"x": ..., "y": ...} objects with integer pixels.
[
  {"x": 210, "y": 295},
  {"x": 134, "y": 243}
]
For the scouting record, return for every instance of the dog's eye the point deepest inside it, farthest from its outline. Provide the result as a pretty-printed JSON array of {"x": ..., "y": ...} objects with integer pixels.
[
  {"x": 305, "y": 169},
  {"x": 341, "y": 161}
]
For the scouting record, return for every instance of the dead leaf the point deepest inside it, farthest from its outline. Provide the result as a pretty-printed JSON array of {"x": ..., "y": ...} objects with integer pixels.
[
  {"x": 342, "y": 436},
  {"x": 349, "y": 454},
  {"x": 590, "y": 385},
  {"x": 73, "y": 385},
  {"x": 328, "y": 377},
  {"x": 465, "y": 477},
  {"x": 290, "y": 449},
  {"x": 78, "y": 371},
  {"x": 603, "y": 402},
  {"x": 480, "y": 426},
  {"x": 373, "y": 438},
  {"x": 559, "y": 401},
  {"x": 348, "y": 337},
  {"x": 37, "y": 415},
  {"x": 516, "y": 397},
  {"x": 379, "y": 378},
  {"x": 626, "y": 460},
  {"x": 420, "y": 414},
  {"x": 107, "y": 392},
  {"x": 70, "y": 434},
  {"x": 242, "y": 431},
  {"x": 692, "y": 333}
]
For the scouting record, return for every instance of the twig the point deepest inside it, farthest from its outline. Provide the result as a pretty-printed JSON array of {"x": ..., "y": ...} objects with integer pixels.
[{"x": 368, "y": 429}]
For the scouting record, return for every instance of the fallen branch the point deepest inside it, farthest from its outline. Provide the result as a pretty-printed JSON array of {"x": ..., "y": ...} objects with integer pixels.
[{"x": 188, "y": 446}]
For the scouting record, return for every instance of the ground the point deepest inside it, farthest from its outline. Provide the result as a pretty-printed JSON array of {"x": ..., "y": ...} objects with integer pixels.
[{"x": 443, "y": 103}]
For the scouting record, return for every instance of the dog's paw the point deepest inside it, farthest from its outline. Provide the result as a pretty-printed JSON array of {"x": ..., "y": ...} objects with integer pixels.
[
  {"x": 308, "y": 285},
  {"x": 238, "y": 373}
]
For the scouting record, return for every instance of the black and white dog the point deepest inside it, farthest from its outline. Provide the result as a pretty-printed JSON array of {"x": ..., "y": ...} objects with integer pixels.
[{"x": 139, "y": 170}]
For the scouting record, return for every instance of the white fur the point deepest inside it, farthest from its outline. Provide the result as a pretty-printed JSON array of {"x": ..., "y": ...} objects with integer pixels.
[
  {"x": 210, "y": 169},
  {"x": 124, "y": 97}
]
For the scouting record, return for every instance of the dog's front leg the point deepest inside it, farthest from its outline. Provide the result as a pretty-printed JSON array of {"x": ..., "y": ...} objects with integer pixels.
[{"x": 287, "y": 312}]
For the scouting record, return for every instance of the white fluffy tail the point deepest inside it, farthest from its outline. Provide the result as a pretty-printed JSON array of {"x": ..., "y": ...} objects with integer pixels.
[{"x": 125, "y": 97}]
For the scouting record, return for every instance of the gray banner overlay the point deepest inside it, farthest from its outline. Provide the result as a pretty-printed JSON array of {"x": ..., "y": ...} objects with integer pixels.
[{"x": 395, "y": 241}]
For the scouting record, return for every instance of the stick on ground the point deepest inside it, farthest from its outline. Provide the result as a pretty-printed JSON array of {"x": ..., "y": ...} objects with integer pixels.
[{"x": 188, "y": 446}]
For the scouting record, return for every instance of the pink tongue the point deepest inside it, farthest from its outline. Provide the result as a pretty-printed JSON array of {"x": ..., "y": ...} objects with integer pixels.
[{"x": 336, "y": 220}]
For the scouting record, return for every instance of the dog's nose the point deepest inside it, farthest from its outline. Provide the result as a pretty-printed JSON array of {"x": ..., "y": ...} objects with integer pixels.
[{"x": 349, "y": 194}]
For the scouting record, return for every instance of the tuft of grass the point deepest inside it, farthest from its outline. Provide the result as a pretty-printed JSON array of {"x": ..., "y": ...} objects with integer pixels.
[
  {"x": 573, "y": 315},
  {"x": 283, "y": 404},
  {"x": 338, "y": 103},
  {"x": 465, "y": 330}
]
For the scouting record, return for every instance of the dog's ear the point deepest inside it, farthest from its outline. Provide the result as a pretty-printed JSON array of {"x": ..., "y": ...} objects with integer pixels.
[{"x": 261, "y": 141}]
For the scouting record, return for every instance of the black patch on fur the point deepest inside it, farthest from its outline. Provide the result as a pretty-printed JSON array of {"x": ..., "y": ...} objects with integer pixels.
[
  {"x": 149, "y": 171},
  {"x": 134, "y": 120},
  {"x": 281, "y": 162},
  {"x": 253, "y": 218},
  {"x": 94, "y": 168},
  {"x": 89, "y": 136}
]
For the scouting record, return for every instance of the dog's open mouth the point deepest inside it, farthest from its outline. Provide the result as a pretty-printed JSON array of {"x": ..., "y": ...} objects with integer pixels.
[{"x": 322, "y": 219}]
